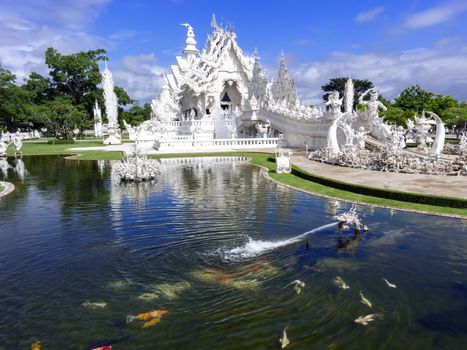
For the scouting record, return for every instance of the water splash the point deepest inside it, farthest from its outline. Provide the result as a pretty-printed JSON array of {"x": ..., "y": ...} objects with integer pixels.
[{"x": 253, "y": 248}]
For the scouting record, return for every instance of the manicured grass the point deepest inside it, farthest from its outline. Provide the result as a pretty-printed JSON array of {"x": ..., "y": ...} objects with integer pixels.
[
  {"x": 262, "y": 159},
  {"x": 2, "y": 187},
  {"x": 43, "y": 148}
]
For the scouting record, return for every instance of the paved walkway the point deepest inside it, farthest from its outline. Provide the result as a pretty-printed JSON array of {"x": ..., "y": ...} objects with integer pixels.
[{"x": 450, "y": 186}]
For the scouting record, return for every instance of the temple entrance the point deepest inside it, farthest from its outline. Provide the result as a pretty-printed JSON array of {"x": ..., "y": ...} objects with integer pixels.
[{"x": 230, "y": 99}]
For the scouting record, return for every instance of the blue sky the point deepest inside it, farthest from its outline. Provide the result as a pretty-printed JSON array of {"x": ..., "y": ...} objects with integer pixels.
[{"x": 392, "y": 43}]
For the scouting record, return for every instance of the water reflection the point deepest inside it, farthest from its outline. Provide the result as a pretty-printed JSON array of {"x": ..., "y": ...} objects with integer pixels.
[
  {"x": 140, "y": 248},
  {"x": 17, "y": 165}
]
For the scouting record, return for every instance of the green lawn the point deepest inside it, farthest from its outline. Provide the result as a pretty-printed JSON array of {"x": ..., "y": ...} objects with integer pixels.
[
  {"x": 262, "y": 159},
  {"x": 2, "y": 187}
]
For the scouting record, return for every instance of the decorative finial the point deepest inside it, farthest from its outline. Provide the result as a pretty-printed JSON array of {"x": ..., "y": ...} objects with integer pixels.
[
  {"x": 190, "y": 44},
  {"x": 213, "y": 21}
]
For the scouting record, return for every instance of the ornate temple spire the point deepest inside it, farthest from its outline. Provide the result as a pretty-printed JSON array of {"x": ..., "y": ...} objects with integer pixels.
[
  {"x": 213, "y": 22},
  {"x": 282, "y": 66},
  {"x": 348, "y": 96},
  {"x": 110, "y": 99},
  {"x": 190, "y": 49}
]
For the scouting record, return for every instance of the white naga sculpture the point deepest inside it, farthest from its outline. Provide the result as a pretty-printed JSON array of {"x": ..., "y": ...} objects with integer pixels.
[
  {"x": 438, "y": 144},
  {"x": 111, "y": 108}
]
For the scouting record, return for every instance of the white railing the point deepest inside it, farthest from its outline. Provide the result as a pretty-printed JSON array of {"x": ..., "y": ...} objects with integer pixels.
[{"x": 173, "y": 144}]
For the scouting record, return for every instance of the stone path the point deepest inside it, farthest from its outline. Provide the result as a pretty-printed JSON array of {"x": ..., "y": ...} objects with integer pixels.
[{"x": 450, "y": 186}]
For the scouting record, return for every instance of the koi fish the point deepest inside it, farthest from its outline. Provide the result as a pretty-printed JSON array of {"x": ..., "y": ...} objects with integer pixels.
[
  {"x": 36, "y": 345},
  {"x": 390, "y": 285},
  {"x": 105, "y": 347},
  {"x": 363, "y": 320},
  {"x": 284, "y": 341},
  {"x": 298, "y": 285},
  {"x": 364, "y": 300},
  {"x": 94, "y": 305},
  {"x": 152, "y": 322},
  {"x": 340, "y": 283},
  {"x": 146, "y": 316}
]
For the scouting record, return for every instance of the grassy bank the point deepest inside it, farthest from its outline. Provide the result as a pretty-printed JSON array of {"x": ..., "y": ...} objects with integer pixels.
[
  {"x": 298, "y": 179},
  {"x": 43, "y": 148},
  {"x": 2, "y": 187}
]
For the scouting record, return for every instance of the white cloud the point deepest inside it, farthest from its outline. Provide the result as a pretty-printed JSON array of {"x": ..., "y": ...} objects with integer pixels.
[
  {"x": 370, "y": 15},
  {"x": 140, "y": 76},
  {"x": 436, "y": 15},
  {"x": 28, "y": 28},
  {"x": 440, "y": 69}
]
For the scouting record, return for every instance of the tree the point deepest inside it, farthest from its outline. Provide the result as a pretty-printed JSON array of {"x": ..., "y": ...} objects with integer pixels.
[
  {"x": 414, "y": 99},
  {"x": 456, "y": 115},
  {"x": 439, "y": 104},
  {"x": 137, "y": 114},
  {"x": 338, "y": 84},
  {"x": 76, "y": 75},
  {"x": 13, "y": 99},
  {"x": 61, "y": 117},
  {"x": 38, "y": 88}
]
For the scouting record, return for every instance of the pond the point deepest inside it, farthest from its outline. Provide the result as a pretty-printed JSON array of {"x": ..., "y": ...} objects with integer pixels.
[{"x": 212, "y": 243}]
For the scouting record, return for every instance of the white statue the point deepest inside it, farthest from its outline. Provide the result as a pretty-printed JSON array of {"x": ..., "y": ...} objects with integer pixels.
[
  {"x": 360, "y": 138},
  {"x": 378, "y": 128},
  {"x": 3, "y": 148},
  {"x": 18, "y": 143},
  {"x": 334, "y": 104}
]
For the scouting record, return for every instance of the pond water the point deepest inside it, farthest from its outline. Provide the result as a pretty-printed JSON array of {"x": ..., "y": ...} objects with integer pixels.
[{"x": 212, "y": 243}]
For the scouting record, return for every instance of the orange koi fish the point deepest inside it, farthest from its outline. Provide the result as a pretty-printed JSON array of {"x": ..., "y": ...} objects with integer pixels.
[
  {"x": 146, "y": 316},
  {"x": 36, "y": 345}
]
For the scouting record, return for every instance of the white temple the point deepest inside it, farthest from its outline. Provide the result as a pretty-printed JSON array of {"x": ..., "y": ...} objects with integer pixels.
[{"x": 220, "y": 97}]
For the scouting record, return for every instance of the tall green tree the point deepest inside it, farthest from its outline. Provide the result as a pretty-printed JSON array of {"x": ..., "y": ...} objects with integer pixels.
[
  {"x": 414, "y": 99},
  {"x": 76, "y": 75},
  {"x": 13, "y": 99},
  {"x": 338, "y": 84},
  {"x": 439, "y": 104}
]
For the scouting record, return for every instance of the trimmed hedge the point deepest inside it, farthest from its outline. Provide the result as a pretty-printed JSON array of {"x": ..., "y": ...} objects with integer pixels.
[
  {"x": 382, "y": 193},
  {"x": 60, "y": 142}
]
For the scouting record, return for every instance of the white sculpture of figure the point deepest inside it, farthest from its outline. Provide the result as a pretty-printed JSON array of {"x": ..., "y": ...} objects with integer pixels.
[
  {"x": 400, "y": 133},
  {"x": 111, "y": 108},
  {"x": 378, "y": 128},
  {"x": 3, "y": 148},
  {"x": 438, "y": 144},
  {"x": 263, "y": 128},
  {"x": 334, "y": 104},
  {"x": 98, "y": 132},
  {"x": 348, "y": 96},
  {"x": 36, "y": 133},
  {"x": 18, "y": 143},
  {"x": 360, "y": 139}
]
